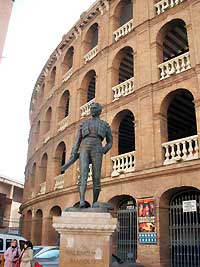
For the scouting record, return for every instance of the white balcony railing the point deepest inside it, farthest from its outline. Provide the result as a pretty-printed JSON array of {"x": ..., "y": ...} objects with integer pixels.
[
  {"x": 62, "y": 124},
  {"x": 175, "y": 66},
  {"x": 163, "y": 5},
  {"x": 59, "y": 182},
  {"x": 91, "y": 54},
  {"x": 181, "y": 150},
  {"x": 42, "y": 188},
  {"x": 123, "y": 30},
  {"x": 123, "y": 89},
  {"x": 123, "y": 163},
  {"x": 67, "y": 75},
  {"x": 85, "y": 109},
  {"x": 89, "y": 173}
]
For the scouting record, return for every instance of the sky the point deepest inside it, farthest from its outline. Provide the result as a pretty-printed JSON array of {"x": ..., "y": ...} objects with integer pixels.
[{"x": 36, "y": 28}]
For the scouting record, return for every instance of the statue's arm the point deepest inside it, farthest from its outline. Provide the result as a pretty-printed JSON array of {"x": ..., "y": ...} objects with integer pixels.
[
  {"x": 109, "y": 140},
  {"x": 74, "y": 154}
]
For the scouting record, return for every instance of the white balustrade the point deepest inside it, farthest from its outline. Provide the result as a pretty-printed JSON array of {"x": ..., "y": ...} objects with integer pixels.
[
  {"x": 67, "y": 75},
  {"x": 123, "y": 30},
  {"x": 59, "y": 182},
  {"x": 163, "y": 5},
  {"x": 181, "y": 150},
  {"x": 89, "y": 173},
  {"x": 175, "y": 66},
  {"x": 42, "y": 188},
  {"x": 91, "y": 54},
  {"x": 85, "y": 109},
  {"x": 123, "y": 89},
  {"x": 123, "y": 163},
  {"x": 32, "y": 194},
  {"x": 62, "y": 124}
]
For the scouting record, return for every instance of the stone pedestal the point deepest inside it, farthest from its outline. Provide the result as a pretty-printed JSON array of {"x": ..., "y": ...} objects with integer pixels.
[{"x": 85, "y": 238}]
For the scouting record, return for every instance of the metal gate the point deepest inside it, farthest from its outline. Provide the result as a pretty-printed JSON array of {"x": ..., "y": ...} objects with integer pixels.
[
  {"x": 185, "y": 231},
  {"x": 127, "y": 235}
]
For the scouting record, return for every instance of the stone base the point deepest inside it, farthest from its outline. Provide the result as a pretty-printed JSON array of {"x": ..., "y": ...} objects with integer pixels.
[{"x": 85, "y": 238}]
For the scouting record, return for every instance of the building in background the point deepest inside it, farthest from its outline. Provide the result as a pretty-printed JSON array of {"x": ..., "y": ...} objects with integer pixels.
[
  {"x": 141, "y": 60},
  {"x": 5, "y": 13},
  {"x": 11, "y": 196}
]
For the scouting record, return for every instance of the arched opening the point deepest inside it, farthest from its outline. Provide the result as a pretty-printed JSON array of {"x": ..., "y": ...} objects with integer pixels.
[
  {"x": 179, "y": 112},
  {"x": 53, "y": 235},
  {"x": 179, "y": 227},
  {"x": 89, "y": 87},
  {"x": 181, "y": 117},
  {"x": 126, "y": 239},
  {"x": 172, "y": 43},
  {"x": 60, "y": 158},
  {"x": 38, "y": 228},
  {"x": 29, "y": 223},
  {"x": 123, "y": 129},
  {"x": 126, "y": 70},
  {"x": 175, "y": 40},
  {"x": 47, "y": 122},
  {"x": 33, "y": 177},
  {"x": 68, "y": 60},
  {"x": 37, "y": 133},
  {"x": 63, "y": 109},
  {"x": 123, "y": 13},
  {"x": 52, "y": 77},
  {"x": 91, "y": 38},
  {"x": 123, "y": 65},
  {"x": 126, "y": 141},
  {"x": 126, "y": 13},
  {"x": 43, "y": 168},
  {"x": 123, "y": 72}
]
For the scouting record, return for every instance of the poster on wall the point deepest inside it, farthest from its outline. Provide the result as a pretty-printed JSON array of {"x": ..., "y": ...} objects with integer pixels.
[{"x": 146, "y": 221}]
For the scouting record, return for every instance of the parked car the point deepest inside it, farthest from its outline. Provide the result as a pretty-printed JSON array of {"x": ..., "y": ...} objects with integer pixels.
[
  {"x": 37, "y": 250},
  {"x": 50, "y": 258}
]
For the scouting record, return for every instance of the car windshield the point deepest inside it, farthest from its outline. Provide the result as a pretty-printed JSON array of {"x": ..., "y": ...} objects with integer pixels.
[{"x": 52, "y": 254}]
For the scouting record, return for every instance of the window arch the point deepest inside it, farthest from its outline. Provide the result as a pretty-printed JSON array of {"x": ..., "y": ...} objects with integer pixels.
[
  {"x": 123, "y": 128},
  {"x": 91, "y": 37},
  {"x": 63, "y": 109},
  {"x": 123, "y": 13},
  {"x": 47, "y": 122},
  {"x": 179, "y": 110},
  {"x": 68, "y": 60},
  {"x": 33, "y": 176},
  {"x": 60, "y": 158},
  {"x": 38, "y": 227},
  {"x": 53, "y": 77},
  {"x": 89, "y": 86},
  {"x": 37, "y": 133},
  {"x": 172, "y": 40},
  {"x": 43, "y": 168}
]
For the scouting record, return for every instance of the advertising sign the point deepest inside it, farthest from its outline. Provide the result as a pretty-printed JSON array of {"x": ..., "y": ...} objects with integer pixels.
[{"x": 146, "y": 221}]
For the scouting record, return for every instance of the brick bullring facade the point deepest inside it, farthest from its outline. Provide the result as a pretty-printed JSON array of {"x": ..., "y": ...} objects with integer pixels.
[{"x": 141, "y": 61}]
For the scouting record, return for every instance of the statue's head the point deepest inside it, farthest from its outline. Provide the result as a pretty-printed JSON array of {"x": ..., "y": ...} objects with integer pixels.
[{"x": 95, "y": 109}]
